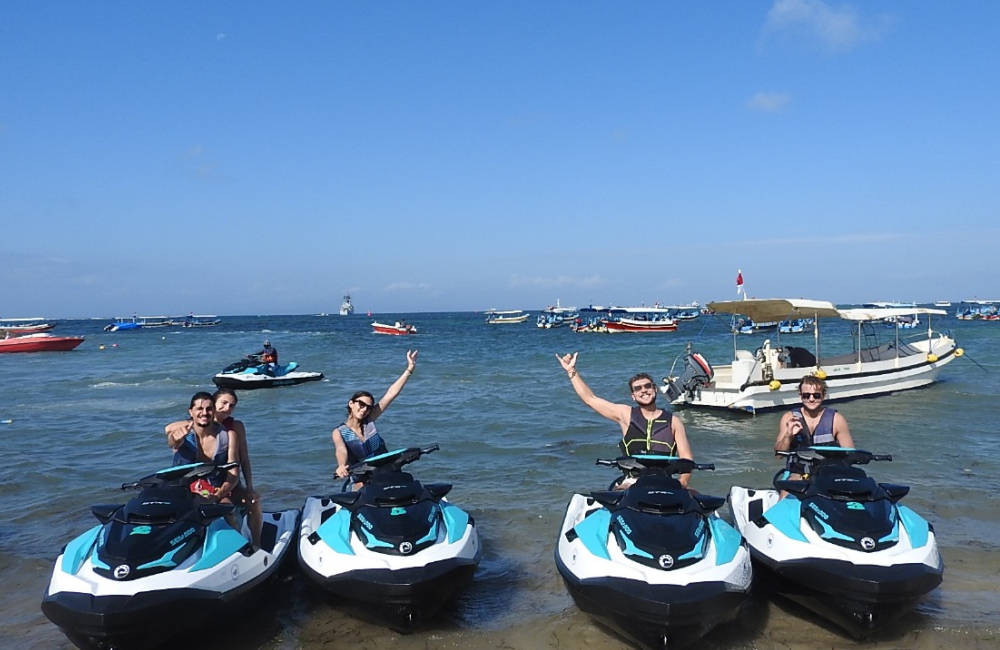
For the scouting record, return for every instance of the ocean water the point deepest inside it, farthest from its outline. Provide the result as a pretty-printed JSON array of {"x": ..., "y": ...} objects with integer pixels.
[{"x": 515, "y": 441}]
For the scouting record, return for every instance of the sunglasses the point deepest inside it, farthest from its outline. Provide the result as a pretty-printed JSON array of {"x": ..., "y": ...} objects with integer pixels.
[
  {"x": 812, "y": 395},
  {"x": 364, "y": 405},
  {"x": 638, "y": 387}
]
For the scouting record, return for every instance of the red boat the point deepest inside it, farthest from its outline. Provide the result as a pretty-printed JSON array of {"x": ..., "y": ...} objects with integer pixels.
[
  {"x": 397, "y": 329},
  {"x": 39, "y": 343},
  {"x": 639, "y": 325}
]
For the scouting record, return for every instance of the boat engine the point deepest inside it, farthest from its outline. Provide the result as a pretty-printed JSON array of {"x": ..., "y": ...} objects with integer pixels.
[{"x": 696, "y": 372}]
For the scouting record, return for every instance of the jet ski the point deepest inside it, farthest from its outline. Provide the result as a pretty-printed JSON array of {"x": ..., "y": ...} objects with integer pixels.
[
  {"x": 249, "y": 373},
  {"x": 163, "y": 563},
  {"x": 839, "y": 543},
  {"x": 653, "y": 562},
  {"x": 395, "y": 551}
]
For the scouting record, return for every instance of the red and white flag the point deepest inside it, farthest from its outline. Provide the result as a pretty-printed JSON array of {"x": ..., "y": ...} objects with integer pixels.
[{"x": 739, "y": 283}]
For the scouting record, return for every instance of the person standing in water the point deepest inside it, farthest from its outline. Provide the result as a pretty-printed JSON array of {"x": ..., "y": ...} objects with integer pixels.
[
  {"x": 357, "y": 438},
  {"x": 646, "y": 428}
]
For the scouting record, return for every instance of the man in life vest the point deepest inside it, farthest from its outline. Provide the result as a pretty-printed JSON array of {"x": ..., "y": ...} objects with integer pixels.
[
  {"x": 646, "y": 429},
  {"x": 811, "y": 424},
  {"x": 269, "y": 357}
]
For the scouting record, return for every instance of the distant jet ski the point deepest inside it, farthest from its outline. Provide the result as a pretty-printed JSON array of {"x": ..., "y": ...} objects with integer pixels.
[
  {"x": 249, "y": 373},
  {"x": 162, "y": 564}
]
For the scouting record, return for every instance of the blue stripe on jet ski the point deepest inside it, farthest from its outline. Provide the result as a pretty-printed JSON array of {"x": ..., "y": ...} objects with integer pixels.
[
  {"x": 336, "y": 532},
  {"x": 893, "y": 536},
  {"x": 456, "y": 521},
  {"x": 830, "y": 533},
  {"x": 694, "y": 552},
  {"x": 165, "y": 561},
  {"x": 431, "y": 534},
  {"x": 593, "y": 532},
  {"x": 374, "y": 542},
  {"x": 727, "y": 540},
  {"x": 221, "y": 541},
  {"x": 632, "y": 549},
  {"x": 915, "y": 525},
  {"x": 785, "y": 515},
  {"x": 77, "y": 550}
]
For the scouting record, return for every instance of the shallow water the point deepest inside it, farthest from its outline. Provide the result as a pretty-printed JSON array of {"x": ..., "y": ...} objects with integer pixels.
[{"x": 515, "y": 441}]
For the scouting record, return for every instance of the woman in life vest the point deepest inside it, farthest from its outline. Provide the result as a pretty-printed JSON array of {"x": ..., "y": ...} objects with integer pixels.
[{"x": 646, "y": 428}]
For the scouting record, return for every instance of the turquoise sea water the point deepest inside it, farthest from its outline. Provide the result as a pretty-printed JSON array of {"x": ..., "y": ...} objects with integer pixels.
[{"x": 515, "y": 441}]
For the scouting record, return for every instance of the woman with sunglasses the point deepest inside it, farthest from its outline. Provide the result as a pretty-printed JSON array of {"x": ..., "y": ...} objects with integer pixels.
[
  {"x": 812, "y": 423},
  {"x": 357, "y": 438},
  {"x": 646, "y": 429}
]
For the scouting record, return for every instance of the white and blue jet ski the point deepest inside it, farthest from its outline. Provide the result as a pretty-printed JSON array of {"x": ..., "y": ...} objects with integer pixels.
[
  {"x": 161, "y": 564},
  {"x": 395, "y": 551},
  {"x": 249, "y": 373},
  {"x": 654, "y": 563},
  {"x": 839, "y": 543}
]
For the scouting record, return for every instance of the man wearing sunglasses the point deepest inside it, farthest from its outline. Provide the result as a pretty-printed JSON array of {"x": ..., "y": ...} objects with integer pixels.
[
  {"x": 646, "y": 429},
  {"x": 812, "y": 423}
]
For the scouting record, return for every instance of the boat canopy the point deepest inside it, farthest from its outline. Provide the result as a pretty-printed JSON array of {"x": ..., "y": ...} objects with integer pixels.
[
  {"x": 880, "y": 313},
  {"x": 764, "y": 310},
  {"x": 777, "y": 309}
]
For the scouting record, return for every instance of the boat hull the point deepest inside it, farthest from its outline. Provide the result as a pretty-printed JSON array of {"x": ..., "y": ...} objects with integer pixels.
[
  {"x": 393, "y": 330},
  {"x": 40, "y": 343},
  {"x": 627, "y": 325}
]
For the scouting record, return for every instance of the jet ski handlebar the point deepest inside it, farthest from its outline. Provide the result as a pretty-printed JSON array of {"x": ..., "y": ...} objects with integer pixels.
[
  {"x": 844, "y": 455},
  {"x": 670, "y": 464},
  {"x": 391, "y": 461},
  {"x": 178, "y": 473}
]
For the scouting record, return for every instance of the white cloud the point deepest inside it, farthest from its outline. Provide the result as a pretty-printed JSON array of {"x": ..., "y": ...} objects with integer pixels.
[
  {"x": 836, "y": 29},
  {"x": 768, "y": 102},
  {"x": 559, "y": 281},
  {"x": 408, "y": 286}
]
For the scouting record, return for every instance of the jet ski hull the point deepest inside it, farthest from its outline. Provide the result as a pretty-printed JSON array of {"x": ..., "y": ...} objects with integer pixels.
[
  {"x": 654, "y": 616},
  {"x": 401, "y": 599},
  {"x": 243, "y": 381}
]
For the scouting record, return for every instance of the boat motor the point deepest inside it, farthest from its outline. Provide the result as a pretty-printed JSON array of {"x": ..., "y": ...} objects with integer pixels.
[{"x": 695, "y": 373}]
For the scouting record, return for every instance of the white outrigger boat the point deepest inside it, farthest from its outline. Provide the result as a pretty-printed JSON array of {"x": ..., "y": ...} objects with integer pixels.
[{"x": 768, "y": 377}]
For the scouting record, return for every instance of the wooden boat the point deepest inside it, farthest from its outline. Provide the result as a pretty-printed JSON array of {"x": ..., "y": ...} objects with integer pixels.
[
  {"x": 39, "y": 343},
  {"x": 18, "y": 326},
  {"x": 508, "y": 317},
  {"x": 398, "y": 329},
  {"x": 768, "y": 377},
  {"x": 639, "y": 319}
]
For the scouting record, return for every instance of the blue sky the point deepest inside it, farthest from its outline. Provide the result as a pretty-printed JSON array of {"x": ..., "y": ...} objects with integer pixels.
[{"x": 252, "y": 158}]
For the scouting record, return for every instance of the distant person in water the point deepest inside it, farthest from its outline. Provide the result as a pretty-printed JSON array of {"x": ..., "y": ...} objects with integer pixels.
[
  {"x": 646, "y": 428},
  {"x": 811, "y": 424},
  {"x": 224, "y": 403},
  {"x": 357, "y": 438}
]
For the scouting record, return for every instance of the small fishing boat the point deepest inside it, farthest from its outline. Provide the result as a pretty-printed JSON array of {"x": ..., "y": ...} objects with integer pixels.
[
  {"x": 507, "y": 317},
  {"x": 18, "y": 326},
  {"x": 40, "y": 342},
  {"x": 639, "y": 319},
  {"x": 204, "y": 320},
  {"x": 399, "y": 328}
]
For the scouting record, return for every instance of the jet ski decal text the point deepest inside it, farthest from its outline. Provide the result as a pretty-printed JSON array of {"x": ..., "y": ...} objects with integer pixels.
[
  {"x": 183, "y": 536},
  {"x": 815, "y": 508}
]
